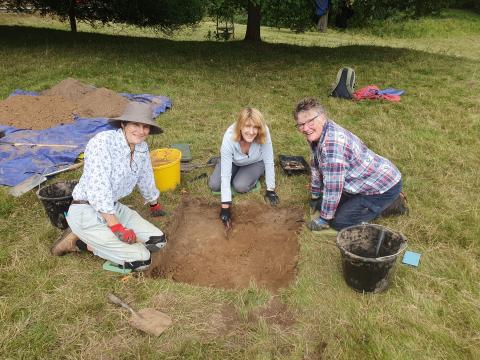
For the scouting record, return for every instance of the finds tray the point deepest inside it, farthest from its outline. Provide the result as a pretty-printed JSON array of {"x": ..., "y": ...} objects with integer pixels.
[{"x": 293, "y": 165}]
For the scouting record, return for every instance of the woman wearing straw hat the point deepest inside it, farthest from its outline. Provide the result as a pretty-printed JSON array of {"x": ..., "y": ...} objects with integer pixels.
[
  {"x": 115, "y": 162},
  {"x": 246, "y": 154}
]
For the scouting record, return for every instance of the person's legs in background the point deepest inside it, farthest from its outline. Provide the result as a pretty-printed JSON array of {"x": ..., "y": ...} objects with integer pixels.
[{"x": 322, "y": 22}]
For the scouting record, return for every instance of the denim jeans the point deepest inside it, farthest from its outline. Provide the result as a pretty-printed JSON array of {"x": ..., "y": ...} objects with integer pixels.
[{"x": 358, "y": 208}]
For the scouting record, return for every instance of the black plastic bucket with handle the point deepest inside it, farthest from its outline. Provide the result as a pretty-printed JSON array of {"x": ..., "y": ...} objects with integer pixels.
[
  {"x": 369, "y": 253},
  {"x": 56, "y": 199}
]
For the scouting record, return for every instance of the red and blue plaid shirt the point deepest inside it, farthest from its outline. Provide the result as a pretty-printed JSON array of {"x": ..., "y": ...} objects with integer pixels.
[{"x": 342, "y": 162}]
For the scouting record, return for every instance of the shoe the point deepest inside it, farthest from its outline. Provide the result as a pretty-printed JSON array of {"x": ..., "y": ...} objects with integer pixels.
[
  {"x": 66, "y": 243},
  {"x": 156, "y": 243},
  {"x": 398, "y": 207}
]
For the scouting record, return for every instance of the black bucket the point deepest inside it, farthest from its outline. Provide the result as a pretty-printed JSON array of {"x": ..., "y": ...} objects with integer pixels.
[
  {"x": 56, "y": 199},
  {"x": 369, "y": 253}
]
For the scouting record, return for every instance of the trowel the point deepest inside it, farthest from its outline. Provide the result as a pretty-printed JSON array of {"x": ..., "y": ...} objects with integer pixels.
[
  {"x": 228, "y": 229},
  {"x": 147, "y": 320}
]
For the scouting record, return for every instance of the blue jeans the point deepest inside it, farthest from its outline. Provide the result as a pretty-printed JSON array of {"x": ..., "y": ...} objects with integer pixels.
[{"x": 355, "y": 209}]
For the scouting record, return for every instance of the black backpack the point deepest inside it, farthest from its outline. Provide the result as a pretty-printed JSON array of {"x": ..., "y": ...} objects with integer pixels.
[{"x": 345, "y": 84}]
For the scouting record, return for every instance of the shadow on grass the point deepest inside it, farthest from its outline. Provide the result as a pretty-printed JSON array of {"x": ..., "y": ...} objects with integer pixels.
[{"x": 14, "y": 37}]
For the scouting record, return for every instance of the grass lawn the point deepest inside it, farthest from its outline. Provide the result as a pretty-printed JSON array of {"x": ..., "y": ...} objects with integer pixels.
[{"x": 56, "y": 307}]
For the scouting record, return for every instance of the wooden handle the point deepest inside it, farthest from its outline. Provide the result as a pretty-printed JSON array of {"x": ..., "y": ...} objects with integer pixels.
[
  {"x": 39, "y": 145},
  {"x": 117, "y": 301}
]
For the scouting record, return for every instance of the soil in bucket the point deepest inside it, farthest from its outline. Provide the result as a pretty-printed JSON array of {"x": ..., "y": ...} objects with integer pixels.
[
  {"x": 56, "y": 199},
  {"x": 368, "y": 254},
  {"x": 261, "y": 247}
]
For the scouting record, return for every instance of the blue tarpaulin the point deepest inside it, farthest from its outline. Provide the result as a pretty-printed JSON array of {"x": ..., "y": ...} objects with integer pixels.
[{"x": 18, "y": 163}]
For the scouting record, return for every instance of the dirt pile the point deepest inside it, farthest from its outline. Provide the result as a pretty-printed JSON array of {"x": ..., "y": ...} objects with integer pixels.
[
  {"x": 70, "y": 89},
  {"x": 101, "y": 103},
  {"x": 58, "y": 104},
  {"x": 35, "y": 112},
  {"x": 262, "y": 246}
]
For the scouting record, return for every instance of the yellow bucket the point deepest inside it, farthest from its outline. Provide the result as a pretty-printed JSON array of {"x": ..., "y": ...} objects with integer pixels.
[{"x": 166, "y": 168}]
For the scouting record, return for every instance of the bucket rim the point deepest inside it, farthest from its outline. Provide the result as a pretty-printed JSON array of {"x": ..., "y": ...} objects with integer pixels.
[
  {"x": 75, "y": 182},
  {"x": 387, "y": 258},
  {"x": 165, "y": 149},
  {"x": 177, "y": 159}
]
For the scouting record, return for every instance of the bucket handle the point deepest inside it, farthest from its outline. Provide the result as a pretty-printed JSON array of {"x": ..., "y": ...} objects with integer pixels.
[{"x": 380, "y": 241}]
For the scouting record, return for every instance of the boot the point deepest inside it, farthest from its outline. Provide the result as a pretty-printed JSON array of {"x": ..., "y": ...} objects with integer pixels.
[
  {"x": 398, "y": 207},
  {"x": 66, "y": 243}
]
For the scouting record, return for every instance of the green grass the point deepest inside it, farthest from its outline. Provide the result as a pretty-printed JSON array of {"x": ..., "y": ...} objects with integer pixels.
[{"x": 56, "y": 307}]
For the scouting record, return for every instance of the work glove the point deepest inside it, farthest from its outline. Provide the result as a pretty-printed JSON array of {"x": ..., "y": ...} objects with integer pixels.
[
  {"x": 123, "y": 234},
  {"x": 157, "y": 210},
  {"x": 318, "y": 224},
  {"x": 316, "y": 201},
  {"x": 271, "y": 197},
  {"x": 226, "y": 217}
]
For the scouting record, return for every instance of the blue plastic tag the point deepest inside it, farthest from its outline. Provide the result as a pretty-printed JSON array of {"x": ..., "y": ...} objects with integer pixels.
[{"x": 411, "y": 258}]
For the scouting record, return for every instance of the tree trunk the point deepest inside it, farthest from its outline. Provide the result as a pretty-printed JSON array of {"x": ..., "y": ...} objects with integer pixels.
[
  {"x": 253, "y": 23},
  {"x": 71, "y": 16}
]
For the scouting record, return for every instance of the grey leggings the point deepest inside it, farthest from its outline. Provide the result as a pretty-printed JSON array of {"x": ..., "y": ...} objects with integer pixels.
[{"x": 244, "y": 178}]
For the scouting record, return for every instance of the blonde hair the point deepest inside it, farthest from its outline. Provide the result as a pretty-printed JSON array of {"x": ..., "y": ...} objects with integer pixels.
[{"x": 255, "y": 117}]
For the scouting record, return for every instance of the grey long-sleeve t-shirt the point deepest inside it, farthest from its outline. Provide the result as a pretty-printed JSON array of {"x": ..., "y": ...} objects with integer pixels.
[{"x": 232, "y": 154}]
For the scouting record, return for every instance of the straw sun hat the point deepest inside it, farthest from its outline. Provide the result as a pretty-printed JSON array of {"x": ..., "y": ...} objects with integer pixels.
[{"x": 140, "y": 113}]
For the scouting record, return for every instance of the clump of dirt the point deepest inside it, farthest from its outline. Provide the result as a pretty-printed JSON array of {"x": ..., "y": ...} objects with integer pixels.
[
  {"x": 58, "y": 104},
  {"x": 70, "y": 89},
  {"x": 35, "y": 112},
  {"x": 262, "y": 246},
  {"x": 101, "y": 103},
  {"x": 318, "y": 353},
  {"x": 274, "y": 312}
]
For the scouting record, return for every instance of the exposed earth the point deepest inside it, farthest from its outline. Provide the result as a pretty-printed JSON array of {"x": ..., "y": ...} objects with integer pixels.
[
  {"x": 58, "y": 104},
  {"x": 261, "y": 247}
]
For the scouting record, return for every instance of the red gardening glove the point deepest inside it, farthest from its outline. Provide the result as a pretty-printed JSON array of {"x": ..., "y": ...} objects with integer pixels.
[
  {"x": 125, "y": 235},
  {"x": 156, "y": 210}
]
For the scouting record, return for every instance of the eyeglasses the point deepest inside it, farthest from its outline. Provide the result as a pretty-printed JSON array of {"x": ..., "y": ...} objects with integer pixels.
[{"x": 300, "y": 126}]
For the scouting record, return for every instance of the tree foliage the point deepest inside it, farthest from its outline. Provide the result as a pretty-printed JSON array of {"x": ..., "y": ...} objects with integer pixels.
[
  {"x": 360, "y": 12},
  {"x": 299, "y": 15},
  {"x": 164, "y": 15},
  {"x": 170, "y": 15}
]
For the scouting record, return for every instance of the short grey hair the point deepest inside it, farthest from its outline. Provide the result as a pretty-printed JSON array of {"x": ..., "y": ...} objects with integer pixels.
[{"x": 308, "y": 104}]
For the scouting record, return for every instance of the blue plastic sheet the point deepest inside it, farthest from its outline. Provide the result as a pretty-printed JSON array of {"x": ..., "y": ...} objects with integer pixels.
[
  {"x": 18, "y": 163},
  {"x": 391, "y": 91}
]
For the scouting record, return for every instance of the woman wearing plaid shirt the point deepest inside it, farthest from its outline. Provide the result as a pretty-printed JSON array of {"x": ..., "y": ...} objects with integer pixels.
[{"x": 350, "y": 183}]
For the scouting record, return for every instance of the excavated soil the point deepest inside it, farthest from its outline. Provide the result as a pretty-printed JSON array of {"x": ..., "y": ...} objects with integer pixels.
[
  {"x": 261, "y": 247},
  {"x": 70, "y": 89},
  {"x": 101, "y": 103},
  {"x": 58, "y": 104},
  {"x": 35, "y": 112}
]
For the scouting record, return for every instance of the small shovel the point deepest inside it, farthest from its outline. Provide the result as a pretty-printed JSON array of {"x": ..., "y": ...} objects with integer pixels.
[
  {"x": 147, "y": 320},
  {"x": 227, "y": 229}
]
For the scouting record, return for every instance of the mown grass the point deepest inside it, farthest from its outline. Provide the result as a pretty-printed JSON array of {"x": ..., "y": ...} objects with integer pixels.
[{"x": 56, "y": 307}]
